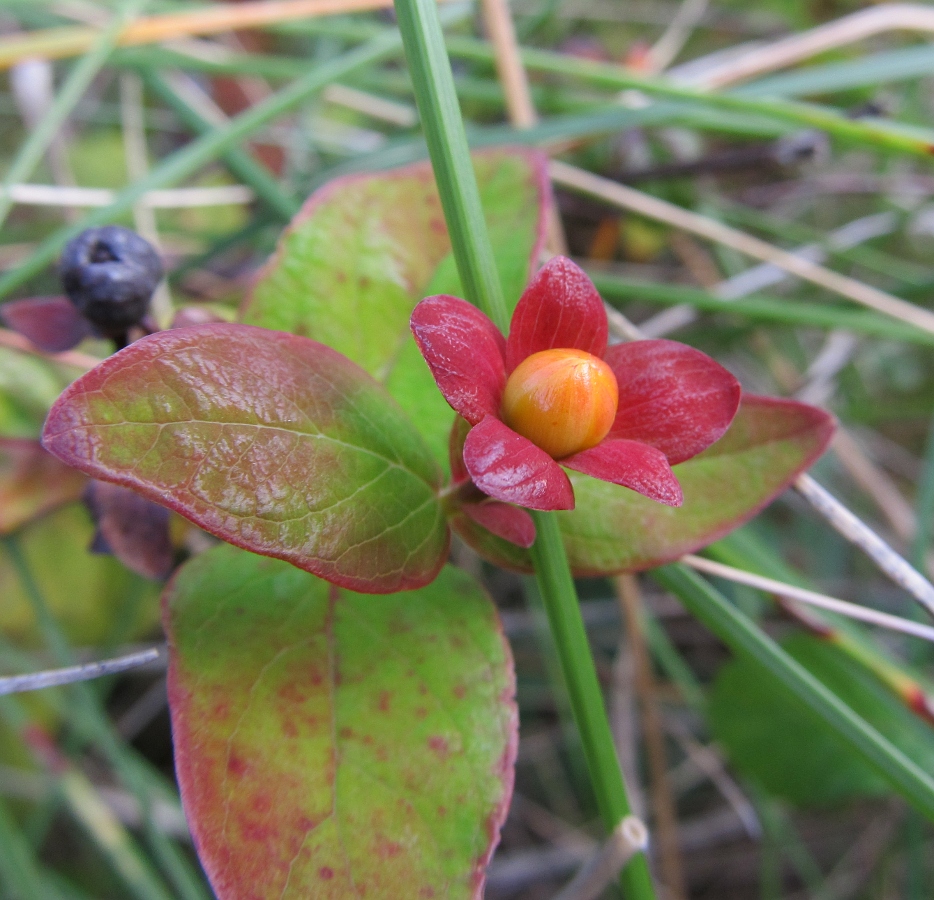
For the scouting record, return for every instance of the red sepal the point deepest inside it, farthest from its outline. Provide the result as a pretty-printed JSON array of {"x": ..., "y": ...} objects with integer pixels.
[
  {"x": 51, "y": 323},
  {"x": 559, "y": 308},
  {"x": 464, "y": 351},
  {"x": 511, "y": 523},
  {"x": 511, "y": 468},
  {"x": 633, "y": 465},
  {"x": 671, "y": 396}
]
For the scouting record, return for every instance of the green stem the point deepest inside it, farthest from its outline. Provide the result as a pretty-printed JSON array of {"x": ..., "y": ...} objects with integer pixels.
[
  {"x": 559, "y": 596},
  {"x": 433, "y": 82},
  {"x": 443, "y": 126}
]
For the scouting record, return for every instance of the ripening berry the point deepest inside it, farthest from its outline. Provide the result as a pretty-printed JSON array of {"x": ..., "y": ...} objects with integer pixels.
[
  {"x": 564, "y": 401},
  {"x": 110, "y": 274}
]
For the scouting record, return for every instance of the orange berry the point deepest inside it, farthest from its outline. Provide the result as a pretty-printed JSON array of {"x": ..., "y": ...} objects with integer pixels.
[{"x": 564, "y": 401}]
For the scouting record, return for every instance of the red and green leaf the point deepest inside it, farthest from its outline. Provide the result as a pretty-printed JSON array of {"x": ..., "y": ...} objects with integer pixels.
[
  {"x": 612, "y": 529},
  {"x": 32, "y": 482},
  {"x": 366, "y": 248},
  {"x": 270, "y": 441},
  {"x": 335, "y": 745}
]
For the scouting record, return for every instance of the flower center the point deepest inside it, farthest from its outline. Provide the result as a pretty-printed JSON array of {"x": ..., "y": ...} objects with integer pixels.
[{"x": 564, "y": 401}]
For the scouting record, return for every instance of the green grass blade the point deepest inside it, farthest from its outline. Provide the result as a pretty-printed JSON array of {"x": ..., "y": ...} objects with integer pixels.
[
  {"x": 744, "y": 637},
  {"x": 443, "y": 127}
]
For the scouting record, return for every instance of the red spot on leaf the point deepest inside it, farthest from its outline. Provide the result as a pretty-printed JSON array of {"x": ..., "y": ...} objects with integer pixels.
[
  {"x": 383, "y": 702},
  {"x": 388, "y": 849},
  {"x": 459, "y": 691},
  {"x": 442, "y": 811},
  {"x": 421, "y": 712},
  {"x": 237, "y": 766},
  {"x": 439, "y": 745},
  {"x": 326, "y": 873}
]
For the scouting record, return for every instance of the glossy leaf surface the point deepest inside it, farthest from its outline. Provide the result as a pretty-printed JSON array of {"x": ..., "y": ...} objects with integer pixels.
[
  {"x": 612, "y": 529},
  {"x": 366, "y": 248},
  {"x": 338, "y": 745},
  {"x": 32, "y": 482},
  {"x": 763, "y": 726},
  {"x": 270, "y": 441}
]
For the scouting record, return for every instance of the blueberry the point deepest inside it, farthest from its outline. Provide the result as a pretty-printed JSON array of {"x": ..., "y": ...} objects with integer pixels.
[{"x": 110, "y": 274}]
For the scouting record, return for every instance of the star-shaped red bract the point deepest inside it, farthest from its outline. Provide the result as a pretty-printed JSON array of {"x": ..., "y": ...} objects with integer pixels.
[{"x": 673, "y": 401}]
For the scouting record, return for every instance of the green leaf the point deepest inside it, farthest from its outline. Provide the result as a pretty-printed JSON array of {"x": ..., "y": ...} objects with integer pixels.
[
  {"x": 332, "y": 744},
  {"x": 612, "y": 529},
  {"x": 365, "y": 249},
  {"x": 772, "y": 737},
  {"x": 268, "y": 440}
]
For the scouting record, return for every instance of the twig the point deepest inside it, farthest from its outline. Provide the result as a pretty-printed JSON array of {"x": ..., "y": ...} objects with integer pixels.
[
  {"x": 710, "y": 763},
  {"x": 171, "y": 198},
  {"x": 862, "y": 536},
  {"x": 676, "y": 35},
  {"x": 764, "y": 275},
  {"x": 660, "y": 210},
  {"x": 401, "y": 114},
  {"x": 515, "y": 84},
  {"x": 852, "y": 610},
  {"x": 786, "y": 52},
  {"x": 58, "y": 43},
  {"x": 627, "y": 839},
  {"x": 14, "y": 684}
]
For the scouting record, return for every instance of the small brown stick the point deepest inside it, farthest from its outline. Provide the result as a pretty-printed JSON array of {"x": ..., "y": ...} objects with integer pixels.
[
  {"x": 515, "y": 83},
  {"x": 839, "y": 33},
  {"x": 58, "y": 43},
  {"x": 627, "y": 839},
  {"x": 663, "y": 804}
]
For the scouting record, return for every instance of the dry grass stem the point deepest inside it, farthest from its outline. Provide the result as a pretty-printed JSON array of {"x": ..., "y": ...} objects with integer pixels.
[
  {"x": 59, "y": 43},
  {"x": 170, "y": 198},
  {"x": 13, "y": 684},
  {"x": 850, "y": 29},
  {"x": 770, "y": 585},
  {"x": 627, "y": 839},
  {"x": 628, "y": 198}
]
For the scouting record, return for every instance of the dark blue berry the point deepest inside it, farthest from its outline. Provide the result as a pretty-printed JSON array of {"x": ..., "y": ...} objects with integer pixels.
[{"x": 110, "y": 274}]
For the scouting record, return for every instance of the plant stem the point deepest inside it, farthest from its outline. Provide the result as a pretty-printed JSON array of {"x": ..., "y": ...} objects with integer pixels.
[
  {"x": 443, "y": 126},
  {"x": 557, "y": 589},
  {"x": 450, "y": 157}
]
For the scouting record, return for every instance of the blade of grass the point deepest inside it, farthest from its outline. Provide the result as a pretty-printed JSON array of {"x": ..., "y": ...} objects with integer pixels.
[
  {"x": 745, "y": 638},
  {"x": 21, "y": 877},
  {"x": 240, "y": 163},
  {"x": 443, "y": 128},
  {"x": 447, "y": 144},
  {"x": 77, "y": 82}
]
